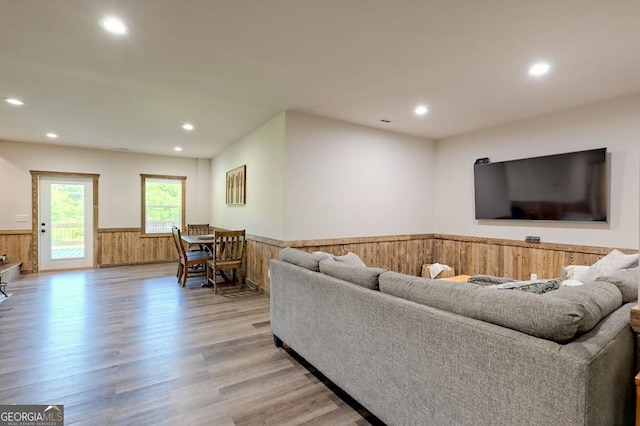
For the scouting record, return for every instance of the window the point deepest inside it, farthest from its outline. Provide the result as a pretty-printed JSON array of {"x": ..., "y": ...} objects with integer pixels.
[{"x": 163, "y": 205}]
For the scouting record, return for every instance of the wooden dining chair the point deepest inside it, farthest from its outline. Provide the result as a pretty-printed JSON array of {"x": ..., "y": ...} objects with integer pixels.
[
  {"x": 189, "y": 260},
  {"x": 198, "y": 229},
  {"x": 229, "y": 255}
]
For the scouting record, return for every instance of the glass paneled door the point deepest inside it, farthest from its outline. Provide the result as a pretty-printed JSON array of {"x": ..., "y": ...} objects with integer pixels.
[{"x": 65, "y": 222}]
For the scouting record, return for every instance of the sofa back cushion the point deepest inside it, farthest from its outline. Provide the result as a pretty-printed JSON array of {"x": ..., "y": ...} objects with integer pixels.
[
  {"x": 361, "y": 275},
  {"x": 627, "y": 282},
  {"x": 301, "y": 258},
  {"x": 596, "y": 300},
  {"x": 556, "y": 315}
]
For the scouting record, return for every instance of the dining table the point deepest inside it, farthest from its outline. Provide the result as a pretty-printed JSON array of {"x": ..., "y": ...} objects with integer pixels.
[{"x": 199, "y": 240}]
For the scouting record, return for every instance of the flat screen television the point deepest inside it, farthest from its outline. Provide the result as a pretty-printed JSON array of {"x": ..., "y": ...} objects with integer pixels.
[{"x": 562, "y": 187}]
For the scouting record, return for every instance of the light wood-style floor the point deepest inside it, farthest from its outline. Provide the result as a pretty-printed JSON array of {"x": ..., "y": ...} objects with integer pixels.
[{"x": 129, "y": 346}]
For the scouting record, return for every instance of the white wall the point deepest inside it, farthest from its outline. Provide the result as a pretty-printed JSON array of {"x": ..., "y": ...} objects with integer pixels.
[
  {"x": 614, "y": 124},
  {"x": 262, "y": 151},
  {"x": 346, "y": 180},
  {"x": 118, "y": 185}
]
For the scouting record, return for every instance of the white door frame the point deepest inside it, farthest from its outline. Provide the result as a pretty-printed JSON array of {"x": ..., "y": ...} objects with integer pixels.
[{"x": 35, "y": 224}]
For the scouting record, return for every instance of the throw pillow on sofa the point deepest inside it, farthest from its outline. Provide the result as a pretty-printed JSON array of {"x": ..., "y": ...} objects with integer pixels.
[
  {"x": 325, "y": 254},
  {"x": 574, "y": 272},
  {"x": 612, "y": 262},
  {"x": 350, "y": 259}
]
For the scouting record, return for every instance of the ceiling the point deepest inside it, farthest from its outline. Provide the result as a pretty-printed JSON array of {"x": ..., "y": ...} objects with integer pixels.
[{"x": 229, "y": 66}]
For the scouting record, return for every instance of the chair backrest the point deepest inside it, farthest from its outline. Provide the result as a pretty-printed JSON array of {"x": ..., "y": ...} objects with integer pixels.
[
  {"x": 198, "y": 229},
  {"x": 177, "y": 239},
  {"x": 230, "y": 245}
]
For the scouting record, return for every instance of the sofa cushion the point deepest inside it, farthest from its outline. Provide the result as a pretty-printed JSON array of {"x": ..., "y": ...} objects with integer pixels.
[
  {"x": 612, "y": 262},
  {"x": 627, "y": 282},
  {"x": 597, "y": 300},
  {"x": 542, "y": 315},
  {"x": 363, "y": 276},
  {"x": 533, "y": 286},
  {"x": 301, "y": 258}
]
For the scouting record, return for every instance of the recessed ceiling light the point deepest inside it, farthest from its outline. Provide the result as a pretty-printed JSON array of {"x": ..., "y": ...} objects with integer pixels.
[
  {"x": 177, "y": 148},
  {"x": 539, "y": 69},
  {"x": 187, "y": 126},
  {"x": 14, "y": 101},
  {"x": 52, "y": 135},
  {"x": 114, "y": 25},
  {"x": 421, "y": 110}
]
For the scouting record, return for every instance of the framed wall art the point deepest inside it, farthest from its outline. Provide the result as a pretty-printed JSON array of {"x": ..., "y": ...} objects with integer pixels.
[{"x": 236, "y": 185}]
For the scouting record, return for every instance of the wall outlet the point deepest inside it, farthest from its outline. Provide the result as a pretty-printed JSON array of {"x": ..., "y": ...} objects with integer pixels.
[
  {"x": 22, "y": 218},
  {"x": 534, "y": 276}
]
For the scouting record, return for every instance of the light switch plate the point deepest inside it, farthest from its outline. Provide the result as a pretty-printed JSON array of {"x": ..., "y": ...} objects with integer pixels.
[{"x": 22, "y": 218}]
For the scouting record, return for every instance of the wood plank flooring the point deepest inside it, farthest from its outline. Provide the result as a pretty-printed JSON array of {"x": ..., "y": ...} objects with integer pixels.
[{"x": 128, "y": 345}]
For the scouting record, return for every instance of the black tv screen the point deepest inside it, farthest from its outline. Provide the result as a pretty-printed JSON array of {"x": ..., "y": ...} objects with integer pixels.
[{"x": 570, "y": 186}]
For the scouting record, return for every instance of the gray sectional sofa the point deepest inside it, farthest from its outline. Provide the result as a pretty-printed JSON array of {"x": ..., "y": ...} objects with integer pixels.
[{"x": 417, "y": 351}]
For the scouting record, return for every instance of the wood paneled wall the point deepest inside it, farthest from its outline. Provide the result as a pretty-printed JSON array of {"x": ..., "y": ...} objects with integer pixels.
[
  {"x": 115, "y": 247},
  {"x": 400, "y": 253},
  {"x": 127, "y": 246},
  {"x": 510, "y": 258},
  {"x": 259, "y": 252},
  {"x": 16, "y": 244},
  {"x": 407, "y": 254}
]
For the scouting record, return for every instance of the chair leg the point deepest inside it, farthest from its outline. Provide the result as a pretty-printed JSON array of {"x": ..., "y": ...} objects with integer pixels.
[
  {"x": 185, "y": 275},
  {"x": 180, "y": 271},
  {"x": 237, "y": 275},
  {"x": 205, "y": 283}
]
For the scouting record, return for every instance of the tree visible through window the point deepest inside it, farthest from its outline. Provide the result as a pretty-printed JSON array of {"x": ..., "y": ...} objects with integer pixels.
[{"x": 162, "y": 203}]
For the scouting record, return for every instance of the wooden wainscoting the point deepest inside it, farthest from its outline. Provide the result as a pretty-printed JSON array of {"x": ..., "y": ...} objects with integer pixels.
[
  {"x": 16, "y": 244},
  {"x": 127, "y": 246},
  {"x": 260, "y": 251},
  {"x": 115, "y": 247},
  {"x": 407, "y": 254},
  {"x": 401, "y": 253},
  {"x": 510, "y": 258}
]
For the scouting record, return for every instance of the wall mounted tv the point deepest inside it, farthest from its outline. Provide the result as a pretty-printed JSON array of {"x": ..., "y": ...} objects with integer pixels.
[{"x": 571, "y": 186}]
